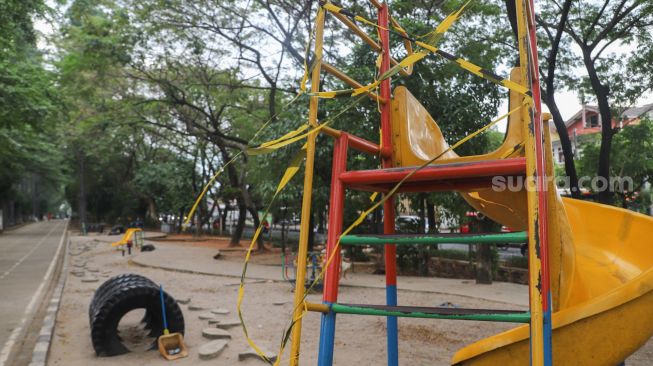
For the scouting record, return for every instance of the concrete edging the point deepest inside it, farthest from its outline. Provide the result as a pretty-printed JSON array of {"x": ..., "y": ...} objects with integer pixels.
[
  {"x": 258, "y": 278},
  {"x": 42, "y": 346}
]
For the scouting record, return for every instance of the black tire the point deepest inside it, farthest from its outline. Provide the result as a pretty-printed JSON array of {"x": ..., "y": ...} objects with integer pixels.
[
  {"x": 153, "y": 323},
  {"x": 104, "y": 325},
  {"x": 116, "y": 288},
  {"x": 111, "y": 282}
]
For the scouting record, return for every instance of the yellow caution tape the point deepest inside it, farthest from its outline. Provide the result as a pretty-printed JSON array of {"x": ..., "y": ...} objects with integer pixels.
[
  {"x": 272, "y": 146},
  {"x": 292, "y": 169},
  {"x": 444, "y": 26},
  {"x": 290, "y": 134},
  {"x": 336, "y": 9},
  {"x": 290, "y": 172},
  {"x": 407, "y": 62},
  {"x": 477, "y": 70},
  {"x": 206, "y": 188},
  {"x": 429, "y": 45}
]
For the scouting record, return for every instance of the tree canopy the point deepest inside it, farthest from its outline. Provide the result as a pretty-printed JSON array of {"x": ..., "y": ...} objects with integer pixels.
[{"x": 140, "y": 104}]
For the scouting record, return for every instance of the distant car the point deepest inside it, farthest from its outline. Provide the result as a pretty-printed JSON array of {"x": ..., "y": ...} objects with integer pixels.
[{"x": 407, "y": 224}]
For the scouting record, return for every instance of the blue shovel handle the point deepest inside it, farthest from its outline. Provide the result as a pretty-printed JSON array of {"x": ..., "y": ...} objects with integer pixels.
[{"x": 163, "y": 311}]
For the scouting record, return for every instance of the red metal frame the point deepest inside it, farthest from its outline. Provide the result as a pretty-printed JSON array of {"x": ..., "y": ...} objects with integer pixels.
[
  {"x": 336, "y": 208},
  {"x": 386, "y": 146},
  {"x": 540, "y": 167},
  {"x": 362, "y": 145},
  {"x": 432, "y": 173},
  {"x": 388, "y": 206}
]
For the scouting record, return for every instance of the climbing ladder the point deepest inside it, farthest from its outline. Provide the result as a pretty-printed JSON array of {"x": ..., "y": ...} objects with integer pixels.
[{"x": 441, "y": 177}]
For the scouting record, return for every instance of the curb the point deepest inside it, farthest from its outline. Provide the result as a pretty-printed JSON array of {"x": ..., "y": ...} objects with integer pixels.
[
  {"x": 42, "y": 347},
  {"x": 169, "y": 269}
]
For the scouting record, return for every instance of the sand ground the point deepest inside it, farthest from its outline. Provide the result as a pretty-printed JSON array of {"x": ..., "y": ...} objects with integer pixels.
[{"x": 360, "y": 340}]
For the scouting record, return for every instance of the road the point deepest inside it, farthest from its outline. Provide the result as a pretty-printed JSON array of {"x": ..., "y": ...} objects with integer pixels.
[
  {"x": 504, "y": 253},
  {"x": 27, "y": 264}
]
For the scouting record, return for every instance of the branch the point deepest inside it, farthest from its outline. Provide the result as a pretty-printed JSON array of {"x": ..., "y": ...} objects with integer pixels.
[{"x": 614, "y": 21}]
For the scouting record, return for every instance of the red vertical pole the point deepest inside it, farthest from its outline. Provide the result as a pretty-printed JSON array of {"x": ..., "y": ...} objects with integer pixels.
[
  {"x": 336, "y": 208},
  {"x": 332, "y": 275},
  {"x": 541, "y": 183},
  {"x": 540, "y": 158},
  {"x": 388, "y": 206}
]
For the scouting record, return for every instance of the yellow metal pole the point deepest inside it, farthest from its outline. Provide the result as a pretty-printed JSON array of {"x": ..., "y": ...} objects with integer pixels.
[
  {"x": 535, "y": 264},
  {"x": 300, "y": 280}
]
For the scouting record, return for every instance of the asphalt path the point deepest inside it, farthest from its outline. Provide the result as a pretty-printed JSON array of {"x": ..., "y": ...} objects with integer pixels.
[{"x": 27, "y": 260}]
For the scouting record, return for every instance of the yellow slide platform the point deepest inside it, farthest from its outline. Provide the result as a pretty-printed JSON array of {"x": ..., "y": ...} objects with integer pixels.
[
  {"x": 610, "y": 313},
  {"x": 601, "y": 257}
]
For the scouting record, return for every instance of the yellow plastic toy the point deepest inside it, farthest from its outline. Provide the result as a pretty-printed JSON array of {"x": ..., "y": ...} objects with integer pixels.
[{"x": 127, "y": 236}]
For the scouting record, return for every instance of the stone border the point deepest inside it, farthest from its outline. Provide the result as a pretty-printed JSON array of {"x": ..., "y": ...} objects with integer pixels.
[{"x": 42, "y": 347}]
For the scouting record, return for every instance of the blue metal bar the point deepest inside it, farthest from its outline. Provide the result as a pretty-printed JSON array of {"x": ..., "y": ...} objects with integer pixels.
[
  {"x": 393, "y": 339},
  {"x": 327, "y": 337}
]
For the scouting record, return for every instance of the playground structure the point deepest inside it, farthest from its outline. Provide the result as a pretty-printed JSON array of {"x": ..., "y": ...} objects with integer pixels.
[
  {"x": 133, "y": 236},
  {"x": 314, "y": 264},
  {"x": 591, "y": 277}
]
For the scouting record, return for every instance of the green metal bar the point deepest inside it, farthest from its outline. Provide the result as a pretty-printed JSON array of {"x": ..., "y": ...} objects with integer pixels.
[
  {"x": 503, "y": 238},
  {"x": 524, "y": 317}
]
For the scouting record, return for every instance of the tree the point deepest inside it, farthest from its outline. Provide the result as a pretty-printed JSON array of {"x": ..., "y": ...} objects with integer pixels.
[
  {"x": 555, "y": 63},
  {"x": 29, "y": 154},
  {"x": 211, "y": 105},
  {"x": 594, "y": 27},
  {"x": 632, "y": 162}
]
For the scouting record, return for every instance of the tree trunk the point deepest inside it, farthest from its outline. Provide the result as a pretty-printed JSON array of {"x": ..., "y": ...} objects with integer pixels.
[
  {"x": 602, "y": 92},
  {"x": 483, "y": 254},
  {"x": 257, "y": 222},
  {"x": 240, "y": 225},
  {"x": 223, "y": 218},
  {"x": 152, "y": 213},
  {"x": 565, "y": 142},
  {"x": 430, "y": 216},
  {"x": 181, "y": 220},
  {"x": 424, "y": 255},
  {"x": 245, "y": 202},
  {"x": 81, "y": 196},
  {"x": 422, "y": 213}
]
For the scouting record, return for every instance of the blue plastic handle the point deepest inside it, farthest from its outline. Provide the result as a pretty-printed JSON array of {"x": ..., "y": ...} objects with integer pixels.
[{"x": 163, "y": 309}]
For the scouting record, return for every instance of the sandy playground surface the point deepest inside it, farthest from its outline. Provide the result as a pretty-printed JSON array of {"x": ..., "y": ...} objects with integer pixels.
[{"x": 360, "y": 340}]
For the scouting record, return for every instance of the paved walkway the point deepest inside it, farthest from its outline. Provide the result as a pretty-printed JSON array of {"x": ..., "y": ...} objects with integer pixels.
[
  {"x": 200, "y": 260},
  {"x": 27, "y": 264}
]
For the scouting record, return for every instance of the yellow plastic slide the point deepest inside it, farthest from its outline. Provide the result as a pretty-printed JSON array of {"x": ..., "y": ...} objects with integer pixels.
[{"x": 601, "y": 257}]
